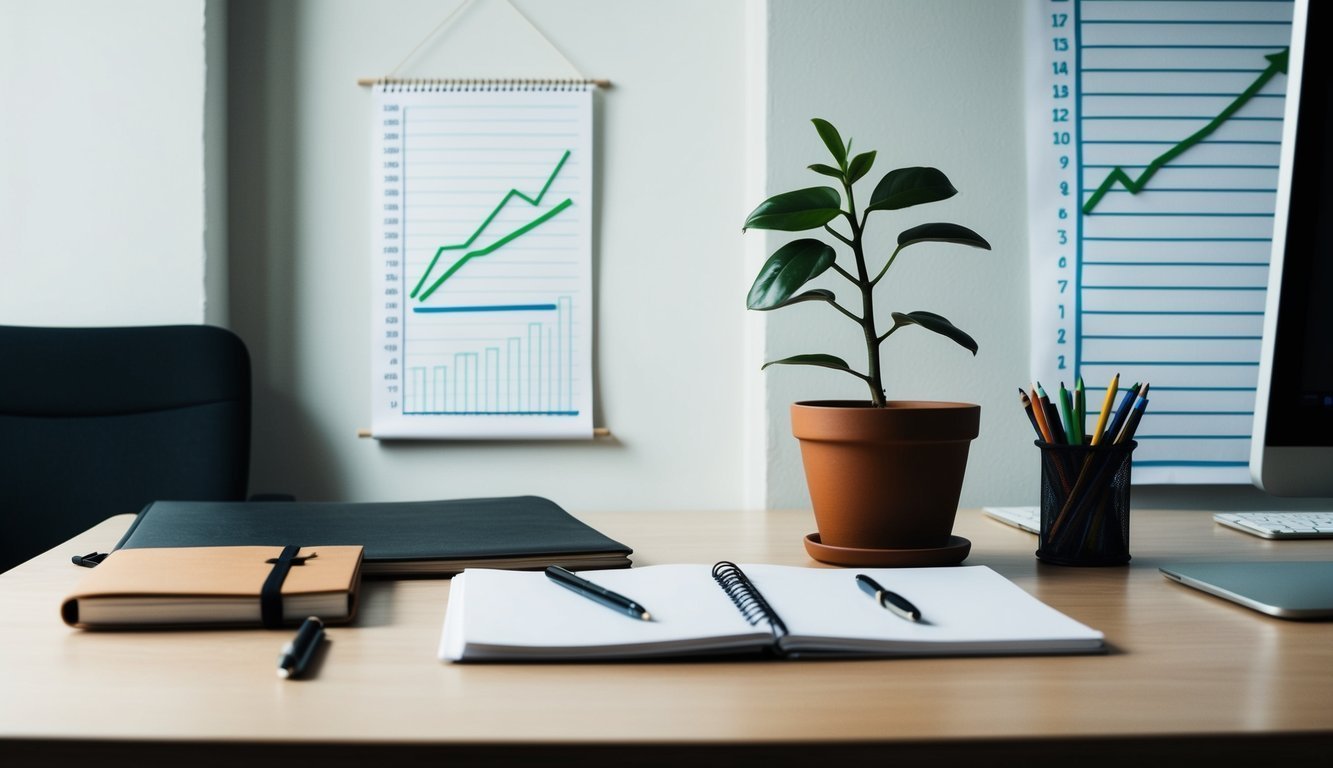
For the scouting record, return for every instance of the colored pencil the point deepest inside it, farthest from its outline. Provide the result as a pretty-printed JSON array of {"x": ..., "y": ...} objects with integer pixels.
[
  {"x": 1027, "y": 406},
  {"x": 1072, "y": 431},
  {"x": 1107, "y": 404},
  {"x": 1080, "y": 410},
  {"x": 1052, "y": 416},
  {"x": 1121, "y": 413},
  {"x": 1132, "y": 423},
  {"x": 1040, "y": 414}
]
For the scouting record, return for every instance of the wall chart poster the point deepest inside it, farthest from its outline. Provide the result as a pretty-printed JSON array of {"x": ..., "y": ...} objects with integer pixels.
[
  {"x": 482, "y": 321},
  {"x": 1154, "y": 131}
]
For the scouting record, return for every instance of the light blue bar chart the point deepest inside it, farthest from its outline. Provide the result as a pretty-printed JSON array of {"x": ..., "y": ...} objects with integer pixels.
[
  {"x": 531, "y": 373},
  {"x": 1154, "y": 135}
]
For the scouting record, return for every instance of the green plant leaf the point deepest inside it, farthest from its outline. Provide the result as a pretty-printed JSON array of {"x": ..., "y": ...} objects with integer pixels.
[
  {"x": 832, "y": 140},
  {"x": 827, "y": 170},
  {"x": 823, "y": 361},
  {"x": 790, "y": 267},
  {"x": 905, "y": 187},
  {"x": 933, "y": 322},
  {"x": 860, "y": 166},
  {"x": 818, "y": 294},
  {"x": 796, "y": 211},
  {"x": 941, "y": 233}
]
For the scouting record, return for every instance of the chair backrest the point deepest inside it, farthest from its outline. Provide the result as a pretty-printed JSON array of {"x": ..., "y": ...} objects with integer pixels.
[{"x": 95, "y": 422}]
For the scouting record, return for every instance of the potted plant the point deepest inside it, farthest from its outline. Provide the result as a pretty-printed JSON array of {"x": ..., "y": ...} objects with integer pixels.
[{"x": 884, "y": 475}]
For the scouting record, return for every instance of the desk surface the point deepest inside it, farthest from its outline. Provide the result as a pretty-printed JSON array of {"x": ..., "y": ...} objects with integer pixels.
[{"x": 1187, "y": 674}]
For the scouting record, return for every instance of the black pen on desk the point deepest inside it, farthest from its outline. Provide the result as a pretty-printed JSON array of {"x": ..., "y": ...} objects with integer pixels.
[
  {"x": 296, "y": 655},
  {"x": 891, "y": 600},
  {"x": 612, "y": 600}
]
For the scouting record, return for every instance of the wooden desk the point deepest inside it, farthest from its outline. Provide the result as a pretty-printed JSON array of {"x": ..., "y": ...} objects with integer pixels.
[{"x": 1189, "y": 677}]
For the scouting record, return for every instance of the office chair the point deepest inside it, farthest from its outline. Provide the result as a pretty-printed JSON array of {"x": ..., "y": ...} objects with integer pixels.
[{"x": 96, "y": 422}]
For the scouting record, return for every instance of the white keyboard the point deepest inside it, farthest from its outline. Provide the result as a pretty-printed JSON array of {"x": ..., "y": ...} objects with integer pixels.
[
  {"x": 1025, "y": 518},
  {"x": 1280, "y": 525}
]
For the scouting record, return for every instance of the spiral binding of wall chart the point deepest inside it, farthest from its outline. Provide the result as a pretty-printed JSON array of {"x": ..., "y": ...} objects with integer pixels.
[
  {"x": 747, "y": 598},
  {"x": 438, "y": 85}
]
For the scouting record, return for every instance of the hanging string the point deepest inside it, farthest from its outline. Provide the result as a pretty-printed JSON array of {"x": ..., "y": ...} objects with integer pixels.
[
  {"x": 427, "y": 38},
  {"x": 447, "y": 22},
  {"x": 553, "y": 46}
]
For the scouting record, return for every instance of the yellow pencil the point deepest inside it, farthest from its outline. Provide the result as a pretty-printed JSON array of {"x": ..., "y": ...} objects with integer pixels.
[{"x": 1107, "y": 405}]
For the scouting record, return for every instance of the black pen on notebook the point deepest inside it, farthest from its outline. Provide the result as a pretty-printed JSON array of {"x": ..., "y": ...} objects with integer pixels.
[
  {"x": 891, "y": 600},
  {"x": 296, "y": 655},
  {"x": 612, "y": 600}
]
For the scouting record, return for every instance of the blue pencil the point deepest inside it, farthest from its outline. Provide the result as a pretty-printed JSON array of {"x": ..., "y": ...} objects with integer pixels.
[
  {"x": 1132, "y": 423},
  {"x": 1121, "y": 413}
]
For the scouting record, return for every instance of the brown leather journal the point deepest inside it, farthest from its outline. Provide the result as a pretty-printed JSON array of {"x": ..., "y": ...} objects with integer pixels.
[{"x": 229, "y": 586}]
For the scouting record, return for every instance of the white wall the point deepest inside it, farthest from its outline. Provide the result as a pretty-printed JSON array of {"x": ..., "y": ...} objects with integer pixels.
[
  {"x": 116, "y": 184},
  {"x": 923, "y": 83},
  {"x": 669, "y": 268},
  {"x": 102, "y": 162}
]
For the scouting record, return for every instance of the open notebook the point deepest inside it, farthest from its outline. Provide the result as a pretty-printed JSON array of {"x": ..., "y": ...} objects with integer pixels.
[{"x": 510, "y": 616}]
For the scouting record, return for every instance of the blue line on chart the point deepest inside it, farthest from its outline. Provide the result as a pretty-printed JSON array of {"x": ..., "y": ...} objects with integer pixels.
[{"x": 487, "y": 308}]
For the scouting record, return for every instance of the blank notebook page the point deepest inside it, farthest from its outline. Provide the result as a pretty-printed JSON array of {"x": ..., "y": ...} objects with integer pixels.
[{"x": 515, "y": 608}]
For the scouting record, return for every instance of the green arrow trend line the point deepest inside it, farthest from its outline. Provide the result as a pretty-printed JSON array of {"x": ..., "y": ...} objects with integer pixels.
[
  {"x": 1277, "y": 63},
  {"x": 510, "y": 195}
]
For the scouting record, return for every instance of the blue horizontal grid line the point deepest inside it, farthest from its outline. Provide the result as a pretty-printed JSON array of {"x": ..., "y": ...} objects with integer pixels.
[
  {"x": 1186, "y": 363},
  {"x": 1168, "y": 463},
  {"x": 1175, "y": 264},
  {"x": 1188, "y": 22},
  {"x": 1176, "y": 70},
  {"x": 1178, "y": 239},
  {"x": 1194, "y": 166},
  {"x": 1167, "y": 143},
  {"x": 1202, "y": 389},
  {"x": 1142, "y": 437},
  {"x": 1205, "y": 118},
  {"x": 1174, "y": 47},
  {"x": 1187, "y": 214},
  {"x": 1170, "y": 338},
  {"x": 1203, "y": 413},
  {"x": 1228, "y": 190},
  {"x": 1178, "y": 94},
  {"x": 1189, "y": 312},
  {"x": 1175, "y": 287}
]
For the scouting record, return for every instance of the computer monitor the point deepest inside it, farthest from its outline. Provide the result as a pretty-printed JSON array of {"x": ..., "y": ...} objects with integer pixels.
[{"x": 1292, "y": 449}]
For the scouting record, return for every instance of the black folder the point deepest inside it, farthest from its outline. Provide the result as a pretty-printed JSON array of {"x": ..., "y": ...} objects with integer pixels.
[{"x": 405, "y": 538}]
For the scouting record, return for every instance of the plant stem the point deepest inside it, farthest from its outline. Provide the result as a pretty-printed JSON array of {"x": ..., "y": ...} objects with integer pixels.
[
  {"x": 887, "y": 264},
  {"x": 863, "y": 282}
]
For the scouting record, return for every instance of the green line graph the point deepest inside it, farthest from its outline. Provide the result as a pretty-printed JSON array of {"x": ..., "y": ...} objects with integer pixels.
[
  {"x": 1277, "y": 64},
  {"x": 418, "y": 293}
]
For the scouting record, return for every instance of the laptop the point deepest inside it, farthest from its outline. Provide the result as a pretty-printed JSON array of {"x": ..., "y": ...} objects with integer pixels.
[{"x": 1287, "y": 590}]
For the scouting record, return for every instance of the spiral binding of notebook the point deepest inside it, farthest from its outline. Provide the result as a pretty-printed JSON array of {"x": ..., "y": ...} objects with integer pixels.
[{"x": 747, "y": 597}]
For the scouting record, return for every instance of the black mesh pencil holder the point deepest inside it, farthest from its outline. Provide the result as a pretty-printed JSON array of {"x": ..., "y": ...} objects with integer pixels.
[{"x": 1085, "y": 503}]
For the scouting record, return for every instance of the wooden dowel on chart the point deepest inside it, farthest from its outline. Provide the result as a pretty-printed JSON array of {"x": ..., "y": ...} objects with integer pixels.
[{"x": 366, "y": 82}]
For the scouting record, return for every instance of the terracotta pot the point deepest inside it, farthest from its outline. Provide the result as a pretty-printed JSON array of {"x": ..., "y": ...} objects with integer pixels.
[{"x": 885, "y": 478}]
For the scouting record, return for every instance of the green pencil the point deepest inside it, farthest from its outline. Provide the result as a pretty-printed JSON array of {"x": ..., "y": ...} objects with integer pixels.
[
  {"x": 1067, "y": 412},
  {"x": 1080, "y": 409}
]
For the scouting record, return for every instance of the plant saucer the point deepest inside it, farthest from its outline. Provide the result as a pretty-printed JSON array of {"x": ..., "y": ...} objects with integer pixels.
[{"x": 952, "y": 553}]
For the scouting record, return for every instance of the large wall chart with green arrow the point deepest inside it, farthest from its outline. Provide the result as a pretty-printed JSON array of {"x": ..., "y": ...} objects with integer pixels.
[
  {"x": 482, "y": 322},
  {"x": 1154, "y": 131}
]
